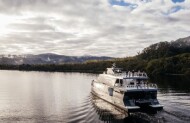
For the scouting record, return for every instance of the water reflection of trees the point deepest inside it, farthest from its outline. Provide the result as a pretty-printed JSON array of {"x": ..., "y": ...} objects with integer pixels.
[{"x": 175, "y": 83}]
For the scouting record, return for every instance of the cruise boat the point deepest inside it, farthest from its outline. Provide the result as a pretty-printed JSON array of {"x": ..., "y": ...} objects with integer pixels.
[{"x": 129, "y": 91}]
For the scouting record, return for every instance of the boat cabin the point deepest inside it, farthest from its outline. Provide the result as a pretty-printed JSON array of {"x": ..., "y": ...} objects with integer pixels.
[{"x": 115, "y": 77}]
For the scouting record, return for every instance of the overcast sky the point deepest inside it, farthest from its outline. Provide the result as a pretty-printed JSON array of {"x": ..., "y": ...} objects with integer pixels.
[{"x": 116, "y": 28}]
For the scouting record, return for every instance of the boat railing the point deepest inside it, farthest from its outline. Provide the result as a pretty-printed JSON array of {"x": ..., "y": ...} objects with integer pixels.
[
  {"x": 136, "y": 74},
  {"x": 140, "y": 86},
  {"x": 131, "y": 74}
]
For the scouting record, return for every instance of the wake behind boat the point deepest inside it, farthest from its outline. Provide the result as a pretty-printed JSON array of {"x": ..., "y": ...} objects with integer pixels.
[{"x": 127, "y": 90}]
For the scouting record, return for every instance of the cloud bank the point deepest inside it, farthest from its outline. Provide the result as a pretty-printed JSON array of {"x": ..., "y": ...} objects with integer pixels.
[{"x": 116, "y": 28}]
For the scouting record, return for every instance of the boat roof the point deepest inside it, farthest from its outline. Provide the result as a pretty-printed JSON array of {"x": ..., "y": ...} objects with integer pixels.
[
  {"x": 129, "y": 75},
  {"x": 110, "y": 76}
]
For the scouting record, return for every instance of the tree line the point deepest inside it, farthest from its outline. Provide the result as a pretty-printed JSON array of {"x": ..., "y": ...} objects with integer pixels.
[{"x": 164, "y": 58}]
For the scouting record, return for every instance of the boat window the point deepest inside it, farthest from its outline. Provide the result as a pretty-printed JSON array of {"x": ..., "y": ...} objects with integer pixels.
[
  {"x": 132, "y": 83},
  {"x": 121, "y": 82},
  {"x": 110, "y": 91},
  {"x": 117, "y": 81},
  {"x": 141, "y": 95}
]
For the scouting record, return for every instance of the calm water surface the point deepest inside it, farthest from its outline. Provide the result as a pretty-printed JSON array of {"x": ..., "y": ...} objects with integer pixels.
[{"x": 65, "y": 97}]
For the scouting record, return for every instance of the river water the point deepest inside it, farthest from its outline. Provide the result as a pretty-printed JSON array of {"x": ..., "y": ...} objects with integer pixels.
[{"x": 65, "y": 97}]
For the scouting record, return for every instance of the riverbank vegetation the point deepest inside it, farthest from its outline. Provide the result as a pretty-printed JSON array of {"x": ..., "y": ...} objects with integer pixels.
[{"x": 164, "y": 58}]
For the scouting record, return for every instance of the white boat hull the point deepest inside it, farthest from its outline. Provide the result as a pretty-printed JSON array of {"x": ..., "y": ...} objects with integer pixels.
[{"x": 117, "y": 98}]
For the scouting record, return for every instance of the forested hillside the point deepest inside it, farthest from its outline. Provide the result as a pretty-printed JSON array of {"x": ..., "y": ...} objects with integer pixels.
[
  {"x": 166, "y": 49},
  {"x": 164, "y": 58}
]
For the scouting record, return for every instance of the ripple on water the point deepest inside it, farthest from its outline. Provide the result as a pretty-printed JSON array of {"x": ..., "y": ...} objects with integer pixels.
[
  {"x": 49, "y": 97},
  {"x": 83, "y": 112}
]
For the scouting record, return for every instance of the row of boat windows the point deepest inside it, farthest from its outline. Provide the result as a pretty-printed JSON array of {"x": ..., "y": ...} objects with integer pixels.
[
  {"x": 138, "y": 81},
  {"x": 119, "y": 82},
  {"x": 140, "y": 95}
]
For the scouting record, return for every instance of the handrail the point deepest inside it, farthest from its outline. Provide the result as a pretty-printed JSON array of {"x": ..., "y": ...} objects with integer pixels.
[
  {"x": 150, "y": 85},
  {"x": 130, "y": 74}
]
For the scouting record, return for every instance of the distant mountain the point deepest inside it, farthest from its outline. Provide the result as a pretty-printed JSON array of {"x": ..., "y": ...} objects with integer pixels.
[
  {"x": 164, "y": 58},
  {"x": 47, "y": 58},
  {"x": 166, "y": 49}
]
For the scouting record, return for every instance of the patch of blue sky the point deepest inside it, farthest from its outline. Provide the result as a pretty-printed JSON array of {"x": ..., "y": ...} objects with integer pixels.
[
  {"x": 174, "y": 9},
  {"x": 177, "y": 1},
  {"x": 123, "y": 3}
]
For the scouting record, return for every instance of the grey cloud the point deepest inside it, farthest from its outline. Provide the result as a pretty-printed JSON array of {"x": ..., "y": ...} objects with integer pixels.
[
  {"x": 31, "y": 27},
  {"x": 95, "y": 27}
]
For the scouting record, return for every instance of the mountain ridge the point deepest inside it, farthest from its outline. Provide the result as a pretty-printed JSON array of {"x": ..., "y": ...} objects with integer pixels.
[
  {"x": 163, "y": 58},
  {"x": 47, "y": 58}
]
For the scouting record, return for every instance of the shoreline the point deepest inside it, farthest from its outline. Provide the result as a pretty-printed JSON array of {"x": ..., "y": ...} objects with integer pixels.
[{"x": 88, "y": 71}]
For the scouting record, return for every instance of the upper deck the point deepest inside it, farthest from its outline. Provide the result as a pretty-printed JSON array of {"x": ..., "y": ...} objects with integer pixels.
[{"x": 130, "y": 80}]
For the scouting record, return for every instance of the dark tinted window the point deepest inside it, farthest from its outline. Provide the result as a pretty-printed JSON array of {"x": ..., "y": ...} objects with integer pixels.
[
  {"x": 121, "y": 82},
  {"x": 117, "y": 81},
  {"x": 141, "y": 95}
]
